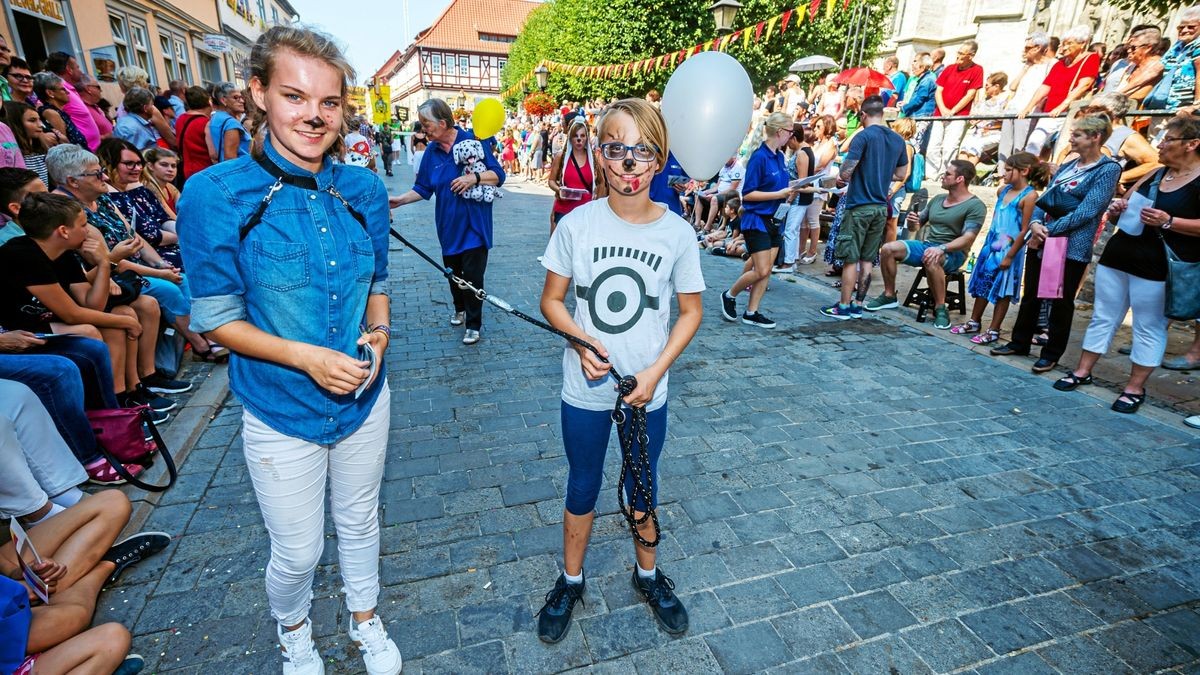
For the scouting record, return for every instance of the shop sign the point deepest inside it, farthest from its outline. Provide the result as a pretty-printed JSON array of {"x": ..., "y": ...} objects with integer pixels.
[
  {"x": 218, "y": 44},
  {"x": 357, "y": 97},
  {"x": 43, "y": 9}
]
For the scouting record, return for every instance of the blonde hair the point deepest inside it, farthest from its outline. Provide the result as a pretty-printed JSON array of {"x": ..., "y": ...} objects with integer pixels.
[
  {"x": 129, "y": 77},
  {"x": 1095, "y": 125},
  {"x": 777, "y": 122},
  {"x": 905, "y": 127},
  {"x": 647, "y": 119},
  {"x": 302, "y": 42}
]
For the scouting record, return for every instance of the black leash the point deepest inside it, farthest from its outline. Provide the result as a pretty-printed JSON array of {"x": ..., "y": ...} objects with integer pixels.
[{"x": 636, "y": 466}]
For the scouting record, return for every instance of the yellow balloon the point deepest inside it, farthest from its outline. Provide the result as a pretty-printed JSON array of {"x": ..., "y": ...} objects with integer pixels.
[{"x": 488, "y": 118}]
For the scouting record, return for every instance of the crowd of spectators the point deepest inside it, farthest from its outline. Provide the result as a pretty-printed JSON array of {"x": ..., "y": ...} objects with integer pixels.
[{"x": 94, "y": 316}]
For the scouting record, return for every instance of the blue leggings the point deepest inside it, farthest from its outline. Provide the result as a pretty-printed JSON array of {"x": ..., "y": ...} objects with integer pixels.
[{"x": 585, "y": 439}]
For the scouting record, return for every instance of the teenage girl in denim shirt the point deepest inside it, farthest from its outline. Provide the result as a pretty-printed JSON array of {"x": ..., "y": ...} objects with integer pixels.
[{"x": 288, "y": 256}]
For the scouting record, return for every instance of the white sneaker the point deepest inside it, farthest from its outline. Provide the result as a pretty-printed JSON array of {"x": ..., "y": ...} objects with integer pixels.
[
  {"x": 808, "y": 259},
  {"x": 470, "y": 337},
  {"x": 300, "y": 656},
  {"x": 379, "y": 652},
  {"x": 1193, "y": 421},
  {"x": 785, "y": 269},
  {"x": 458, "y": 318}
]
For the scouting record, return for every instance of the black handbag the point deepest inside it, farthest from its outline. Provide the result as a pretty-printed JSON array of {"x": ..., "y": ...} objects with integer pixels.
[{"x": 131, "y": 284}]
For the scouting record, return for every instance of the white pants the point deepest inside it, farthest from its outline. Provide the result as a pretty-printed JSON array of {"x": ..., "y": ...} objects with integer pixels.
[
  {"x": 1117, "y": 292},
  {"x": 289, "y": 479},
  {"x": 1013, "y": 134},
  {"x": 35, "y": 462},
  {"x": 791, "y": 233},
  {"x": 944, "y": 138},
  {"x": 1046, "y": 127}
]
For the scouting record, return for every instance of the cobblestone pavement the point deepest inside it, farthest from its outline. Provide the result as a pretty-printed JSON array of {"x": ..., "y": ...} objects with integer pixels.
[{"x": 836, "y": 497}]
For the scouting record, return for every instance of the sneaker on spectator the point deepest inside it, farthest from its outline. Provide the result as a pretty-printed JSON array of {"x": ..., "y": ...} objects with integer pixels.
[
  {"x": 300, "y": 655},
  {"x": 460, "y": 317},
  {"x": 881, "y": 301},
  {"x": 941, "y": 317},
  {"x": 659, "y": 593},
  {"x": 808, "y": 259},
  {"x": 157, "y": 403},
  {"x": 837, "y": 311},
  {"x": 132, "y": 550},
  {"x": 132, "y": 665},
  {"x": 470, "y": 337},
  {"x": 101, "y": 472},
  {"x": 161, "y": 384},
  {"x": 784, "y": 269},
  {"x": 1193, "y": 421},
  {"x": 856, "y": 310},
  {"x": 379, "y": 652},
  {"x": 757, "y": 319},
  {"x": 728, "y": 306}
]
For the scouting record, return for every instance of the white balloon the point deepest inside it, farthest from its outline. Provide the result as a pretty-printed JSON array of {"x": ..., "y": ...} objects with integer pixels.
[{"x": 707, "y": 105}]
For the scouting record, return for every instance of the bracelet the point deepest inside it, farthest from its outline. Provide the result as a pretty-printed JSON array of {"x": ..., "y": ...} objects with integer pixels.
[
  {"x": 477, "y": 179},
  {"x": 383, "y": 328},
  {"x": 1170, "y": 221}
]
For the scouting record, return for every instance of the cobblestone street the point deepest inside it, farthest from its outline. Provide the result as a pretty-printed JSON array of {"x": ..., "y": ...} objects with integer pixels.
[{"x": 836, "y": 497}]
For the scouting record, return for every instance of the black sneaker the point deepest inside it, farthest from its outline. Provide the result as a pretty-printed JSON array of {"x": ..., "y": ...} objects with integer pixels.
[
  {"x": 757, "y": 319},
  {"x": 728, "y": 306},
  {"x": 157, "y": 403},
  {"x": 554, "y": 618},
  {"x": 161, "y": 384},
  {"x": 659, "y": 593},
  {"x": 134, "y": 550}
]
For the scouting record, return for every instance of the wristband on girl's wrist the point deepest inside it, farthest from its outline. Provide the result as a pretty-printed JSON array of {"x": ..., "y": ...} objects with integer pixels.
[{"x": 383, "y": 328}]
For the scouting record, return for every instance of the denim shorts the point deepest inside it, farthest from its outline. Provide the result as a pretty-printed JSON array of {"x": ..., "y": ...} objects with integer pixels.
[{"x": 916, "y": 251}]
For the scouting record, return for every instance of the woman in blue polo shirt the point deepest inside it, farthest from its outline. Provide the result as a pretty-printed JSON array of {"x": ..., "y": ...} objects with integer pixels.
[
  {"x": 763, "y": 190},
  {"x": 462, "y": 214}
]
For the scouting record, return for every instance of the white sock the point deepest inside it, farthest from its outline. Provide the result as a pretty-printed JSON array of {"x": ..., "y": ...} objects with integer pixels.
[
  {"x": 69, "y": 498},
  {"x": 54, "y": 509},
  {"x": 647, "y": 574},
  {"x": 574, "y": 578}
]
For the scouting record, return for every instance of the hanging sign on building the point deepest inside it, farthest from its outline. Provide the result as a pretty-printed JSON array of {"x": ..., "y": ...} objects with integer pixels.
[
  {"x": 357, "y": 97},
  {"x": 381, "y": 97},
  {"x": 218, "y": 44},
  {"x": 51, "y": 10}
]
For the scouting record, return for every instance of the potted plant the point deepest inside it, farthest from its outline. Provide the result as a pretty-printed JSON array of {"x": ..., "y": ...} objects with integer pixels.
[{"x": 539, "y": 104}]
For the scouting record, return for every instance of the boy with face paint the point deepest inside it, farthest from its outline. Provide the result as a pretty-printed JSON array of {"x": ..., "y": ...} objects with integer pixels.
[{"x": 625, "y": 256}]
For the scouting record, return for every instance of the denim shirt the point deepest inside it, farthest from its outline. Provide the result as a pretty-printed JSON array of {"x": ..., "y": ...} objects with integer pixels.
[{"x": 303, "y": 273}]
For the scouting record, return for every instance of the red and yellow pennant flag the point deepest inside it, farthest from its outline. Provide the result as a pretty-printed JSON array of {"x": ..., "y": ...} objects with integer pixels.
[
  {"x": 758, "y": 30},
  {"x": 746, "y": 38},
  {"x": 787, "y": 17},
  {"x": 812, "y": 9},
  {"x": 770, "y": 27}
]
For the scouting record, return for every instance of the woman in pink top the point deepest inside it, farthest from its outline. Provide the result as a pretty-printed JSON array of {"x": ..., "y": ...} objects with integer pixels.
[{"x": 572, "y": 174}]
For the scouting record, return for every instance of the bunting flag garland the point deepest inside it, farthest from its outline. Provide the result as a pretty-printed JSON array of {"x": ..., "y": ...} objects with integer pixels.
[{"x": 758, "y": 32}]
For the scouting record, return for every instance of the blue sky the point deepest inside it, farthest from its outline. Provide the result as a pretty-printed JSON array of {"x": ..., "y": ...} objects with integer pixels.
[{"x": 369, "y": 30}]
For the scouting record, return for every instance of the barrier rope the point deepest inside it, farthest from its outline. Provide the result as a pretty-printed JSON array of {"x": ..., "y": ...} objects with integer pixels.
[{"x": 634, "y": 464}]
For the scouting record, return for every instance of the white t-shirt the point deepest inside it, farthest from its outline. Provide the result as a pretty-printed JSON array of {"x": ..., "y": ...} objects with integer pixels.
[
  {"x": 624, "y": 278},
  {"x": 728, "y": 174},
  {"x": 1028, "y": 86}
]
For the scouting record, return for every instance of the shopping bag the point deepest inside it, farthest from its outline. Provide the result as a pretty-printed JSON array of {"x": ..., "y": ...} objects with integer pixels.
[{"x": 1054, "y": 265}]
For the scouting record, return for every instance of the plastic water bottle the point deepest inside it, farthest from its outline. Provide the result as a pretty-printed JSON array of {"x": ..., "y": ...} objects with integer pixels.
[{"x": 971, "y": 263}]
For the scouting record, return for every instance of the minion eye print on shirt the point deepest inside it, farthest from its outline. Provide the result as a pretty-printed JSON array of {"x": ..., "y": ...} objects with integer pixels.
[{"x": 617, "y": 297}]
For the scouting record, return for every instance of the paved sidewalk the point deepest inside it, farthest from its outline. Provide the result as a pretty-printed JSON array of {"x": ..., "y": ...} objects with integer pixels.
[{"x": 836, "y": 497}]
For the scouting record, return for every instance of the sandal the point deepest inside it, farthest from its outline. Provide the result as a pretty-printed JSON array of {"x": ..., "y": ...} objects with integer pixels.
[
  {"x": 966, "y": 328},
  {"x": 214, "y": 354},
  {"x": 1072, "y": 382},
  {"x": 105, "y": 474},
  {"x": 1128, "y": 403},
  {"x": 987, "y": 337}
]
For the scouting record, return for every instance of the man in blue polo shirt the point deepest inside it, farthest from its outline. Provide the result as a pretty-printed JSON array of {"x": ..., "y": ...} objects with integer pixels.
[
  {"x": 665, "y": 190},
  {"x": 877, "y": 158}
]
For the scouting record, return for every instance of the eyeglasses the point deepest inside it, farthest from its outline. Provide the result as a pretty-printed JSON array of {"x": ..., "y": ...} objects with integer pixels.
[
  {"x": 641, "y": 152},
  {"x": 132, "y": 164},
  {"x": 20, "y": 78},
  {"x": 1172, "y": 139},
  {"x": 92, "y": 174}
]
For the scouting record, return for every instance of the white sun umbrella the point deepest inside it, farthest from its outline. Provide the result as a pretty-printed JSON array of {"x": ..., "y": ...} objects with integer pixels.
[{"x": 809, "y": 64}]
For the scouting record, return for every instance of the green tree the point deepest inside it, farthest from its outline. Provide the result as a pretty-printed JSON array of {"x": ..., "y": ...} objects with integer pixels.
[{"x": 600, "y": 32}]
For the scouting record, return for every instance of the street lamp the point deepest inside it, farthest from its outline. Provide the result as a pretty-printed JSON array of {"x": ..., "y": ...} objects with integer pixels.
[
  {"x": 542, "y": 73},
  {"x": 724, "y": 12}
]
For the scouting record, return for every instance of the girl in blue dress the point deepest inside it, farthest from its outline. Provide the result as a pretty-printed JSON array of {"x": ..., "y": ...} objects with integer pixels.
[{"x": 996, "y": 278}]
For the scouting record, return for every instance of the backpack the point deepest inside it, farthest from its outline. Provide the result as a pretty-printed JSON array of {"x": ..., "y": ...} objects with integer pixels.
[{"x": 917, "y": 175}]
